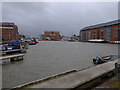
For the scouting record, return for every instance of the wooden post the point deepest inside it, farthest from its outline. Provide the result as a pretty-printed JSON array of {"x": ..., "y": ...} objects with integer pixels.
[{"x": 12, "y": 59}]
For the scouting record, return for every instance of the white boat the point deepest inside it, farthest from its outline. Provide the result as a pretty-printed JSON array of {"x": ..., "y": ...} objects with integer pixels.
[{"x": 97, "y": 40}]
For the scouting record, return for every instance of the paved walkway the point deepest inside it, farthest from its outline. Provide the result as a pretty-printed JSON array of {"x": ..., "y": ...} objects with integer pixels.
[
  {"x": 0, "y": 77},
  {"x": 76, "y": 78}
]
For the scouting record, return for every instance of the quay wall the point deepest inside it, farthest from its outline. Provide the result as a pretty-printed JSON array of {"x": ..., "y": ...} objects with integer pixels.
[{"x": 74, "y": 79}]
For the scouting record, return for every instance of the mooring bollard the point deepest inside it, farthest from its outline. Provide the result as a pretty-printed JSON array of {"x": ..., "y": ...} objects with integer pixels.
[{"x": 117, "y": 69}]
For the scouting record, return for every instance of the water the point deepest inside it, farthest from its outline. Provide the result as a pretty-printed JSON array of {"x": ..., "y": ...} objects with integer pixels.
[{"x": 49, "y": 58}]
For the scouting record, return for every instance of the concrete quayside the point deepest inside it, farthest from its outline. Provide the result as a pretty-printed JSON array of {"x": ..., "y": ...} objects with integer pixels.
[
  {"x": 75, "y": 78},
  {"x": 11, "y": 58}
]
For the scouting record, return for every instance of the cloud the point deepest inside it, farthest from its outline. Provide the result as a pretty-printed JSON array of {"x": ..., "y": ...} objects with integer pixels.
[{"x": 33, "y": 18}]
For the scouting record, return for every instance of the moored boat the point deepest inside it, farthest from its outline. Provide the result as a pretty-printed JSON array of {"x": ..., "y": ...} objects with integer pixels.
[
  {"x": 99, "y": 59},
  {"x": 103, "y": 59},
  {"x": 13, "y": 47},
  {"x": 32, "y": 42},
  {"x": 97, "y": 41}
]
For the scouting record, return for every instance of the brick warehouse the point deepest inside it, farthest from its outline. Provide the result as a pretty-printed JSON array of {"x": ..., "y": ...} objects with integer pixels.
[
  {"x": 51, "y": 36},
  {"x": 109, "y": 31},
  {"x": 9, "y": 31}
]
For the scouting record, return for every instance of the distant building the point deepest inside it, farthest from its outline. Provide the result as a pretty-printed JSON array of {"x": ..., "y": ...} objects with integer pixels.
[
  {"x": 8, "y": 31},
  {"x": 109, "y": 31},
  {"x": 52, "y": 36}
]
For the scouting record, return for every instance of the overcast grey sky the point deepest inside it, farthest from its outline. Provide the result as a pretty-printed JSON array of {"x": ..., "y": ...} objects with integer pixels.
[{"x": 33, "y": 18}]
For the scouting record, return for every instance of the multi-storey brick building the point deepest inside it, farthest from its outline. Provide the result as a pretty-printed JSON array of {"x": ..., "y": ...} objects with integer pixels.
[
  {"x": 8, "y": 31},
  {"x": 52, "y": 36},
  {"x": 109, "y": 31}
]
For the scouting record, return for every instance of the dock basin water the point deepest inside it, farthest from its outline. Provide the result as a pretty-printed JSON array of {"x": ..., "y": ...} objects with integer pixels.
[{"x": 52, "y": 57}]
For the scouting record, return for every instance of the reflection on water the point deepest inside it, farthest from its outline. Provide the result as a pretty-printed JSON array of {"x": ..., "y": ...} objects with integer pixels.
[{"x": 49, "y": 58}]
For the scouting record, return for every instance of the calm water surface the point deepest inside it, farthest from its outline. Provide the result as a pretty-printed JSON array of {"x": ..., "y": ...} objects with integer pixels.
[{"x": 49, "y": 58}]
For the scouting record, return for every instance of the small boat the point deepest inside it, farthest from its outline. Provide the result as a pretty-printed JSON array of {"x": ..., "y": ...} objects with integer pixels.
[
  {"x": 13, "y": 45},
  {"x": 3, "y": 47},
  {"x": 32, "y": 42},
  {"x": 97, "y": 41},
  {"x": 71, "y": 40},
  {"x": 99, "y": 59}
]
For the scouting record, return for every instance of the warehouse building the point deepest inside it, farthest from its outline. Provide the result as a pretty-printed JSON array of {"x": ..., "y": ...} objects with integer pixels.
[
  {"x": 52, "y": 36},
  {"x": 8, "y": 31},
  {"x": 109, "y": 31}
]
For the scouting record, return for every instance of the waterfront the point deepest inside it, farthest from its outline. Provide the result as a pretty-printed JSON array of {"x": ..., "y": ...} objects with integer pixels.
[{"x": 49, "y": 58}]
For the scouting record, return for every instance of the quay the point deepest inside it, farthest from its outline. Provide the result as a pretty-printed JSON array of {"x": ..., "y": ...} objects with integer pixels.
[
  {"x": 14, "y": 51},
  {"x": 15, "y": 57},
  {"x": 75, "y": 79}
]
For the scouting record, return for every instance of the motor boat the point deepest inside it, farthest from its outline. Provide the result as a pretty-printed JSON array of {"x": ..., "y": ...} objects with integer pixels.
[
  {"x": 12, "y": 45},
  {"x": 99, "y": 59},
  {"x": 33, "y": 42}
]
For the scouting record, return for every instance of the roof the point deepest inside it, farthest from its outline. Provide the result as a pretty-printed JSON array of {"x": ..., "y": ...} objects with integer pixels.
[
  {"x": 102, "y": 25},
  {"x": 6, "y": 24}
]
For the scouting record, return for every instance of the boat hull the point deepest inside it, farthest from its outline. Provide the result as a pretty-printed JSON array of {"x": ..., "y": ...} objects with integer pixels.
[{"x": 105, "y": 59}]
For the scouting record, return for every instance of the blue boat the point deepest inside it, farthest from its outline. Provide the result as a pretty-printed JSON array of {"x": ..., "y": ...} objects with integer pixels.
[
  {"x": 13, "y": 45},
  {"x": 10, "y": 46}
]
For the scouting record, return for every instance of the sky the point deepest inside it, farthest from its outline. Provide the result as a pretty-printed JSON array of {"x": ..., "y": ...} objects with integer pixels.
[{"x": 33, "y": 18}]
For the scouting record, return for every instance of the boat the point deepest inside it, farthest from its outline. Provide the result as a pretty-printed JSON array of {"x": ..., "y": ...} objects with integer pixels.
[
  {"x": 115, "y": 42},
  {"x": 33, "y": 42},
  {"x": 24, "y": 44},
  {"x": 97, "y": 41},
  {"x": 99, "y": 59},
  {"x": 71, "y": 40},
  {"x": 13, "y": 45},
  {"x": 3, "y": 47}
]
